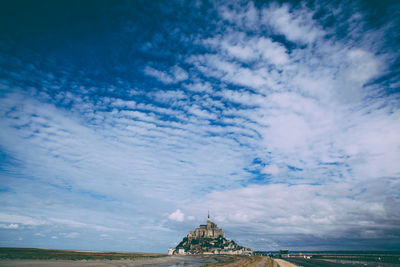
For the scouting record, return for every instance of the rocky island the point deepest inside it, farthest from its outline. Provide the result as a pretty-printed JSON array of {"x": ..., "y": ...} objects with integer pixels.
[{"x": 208, "y": 239}]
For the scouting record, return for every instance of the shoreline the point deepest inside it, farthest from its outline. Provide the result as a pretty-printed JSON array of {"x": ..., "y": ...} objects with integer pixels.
[{"x": 139, "y": 261}]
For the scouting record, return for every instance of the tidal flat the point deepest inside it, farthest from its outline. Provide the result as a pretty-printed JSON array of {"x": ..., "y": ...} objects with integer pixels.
[
  {"x": 143, "y": 261},
  {"x": 66, "y": 258}
]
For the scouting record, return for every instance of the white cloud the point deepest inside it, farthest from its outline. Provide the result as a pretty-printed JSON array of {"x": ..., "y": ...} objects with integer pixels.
[
  {"x": 105, "y": 236},
  {"x": 296, "y": 25},
  {"x": 199, "y": 87},
  {"x": 201, "y": 113},
  {"x": 77, "y": 224},
  {"x": 318, "y": 210},
  {"x": 70, "y": 235},
  {"x": 169, "y": 96},
  {"x": 9, "y": 226},
  {"x": 177, "y": 216},
  {"x": 271, "y": 169},
  {"x": 174, "y": 75},
  {"x": 160, "y": 75},
  {"x": 179, "y": 74},
  {"x": 246, "y": 49},
  {"x": 244, "y": 16},
  {"x": 39, "y": 234},
  {"x": 231, "y": 72},
  {"x": 25, "y": 220},
  {"x": 123, "y": 103},
  {"x": 362, "y": 66}
]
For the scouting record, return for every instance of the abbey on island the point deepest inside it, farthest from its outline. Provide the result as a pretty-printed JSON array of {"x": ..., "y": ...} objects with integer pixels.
[{"x": 208, "y": 239}]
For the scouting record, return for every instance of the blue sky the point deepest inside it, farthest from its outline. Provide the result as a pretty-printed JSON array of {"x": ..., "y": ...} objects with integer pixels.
[{"x": 124, "y": 122}]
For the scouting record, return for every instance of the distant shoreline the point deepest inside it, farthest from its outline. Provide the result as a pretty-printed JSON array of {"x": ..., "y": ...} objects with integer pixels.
[{"x": 62, "y": 254}]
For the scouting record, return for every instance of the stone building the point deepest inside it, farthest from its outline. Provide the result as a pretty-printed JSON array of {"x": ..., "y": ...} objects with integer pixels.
[
  {"x": 208, "y": 239},
  {"x": 209, "y": 230}
]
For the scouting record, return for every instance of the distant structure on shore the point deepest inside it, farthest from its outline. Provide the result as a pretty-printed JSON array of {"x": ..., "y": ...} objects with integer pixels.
[
  {"x": 208, "y": 239},
  {"x": 283, "y": 253}
]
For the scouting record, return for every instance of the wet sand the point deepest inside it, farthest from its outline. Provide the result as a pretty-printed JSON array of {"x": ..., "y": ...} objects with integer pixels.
[{"x": 169, "y": 261}]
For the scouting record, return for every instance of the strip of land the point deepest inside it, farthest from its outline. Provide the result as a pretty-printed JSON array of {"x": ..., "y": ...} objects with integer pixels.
[{"x": 22, "y": 257}]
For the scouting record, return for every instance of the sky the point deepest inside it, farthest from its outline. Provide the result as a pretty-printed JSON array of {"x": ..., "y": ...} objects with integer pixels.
[{"x": 124, "y": 122}]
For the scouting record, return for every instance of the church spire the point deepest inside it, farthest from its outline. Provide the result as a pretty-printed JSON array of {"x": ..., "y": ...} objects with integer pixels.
[{"x": 208, "y": 214}]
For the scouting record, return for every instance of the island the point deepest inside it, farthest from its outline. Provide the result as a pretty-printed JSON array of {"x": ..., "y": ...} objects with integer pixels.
[{"x": 208, "y": 239}]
